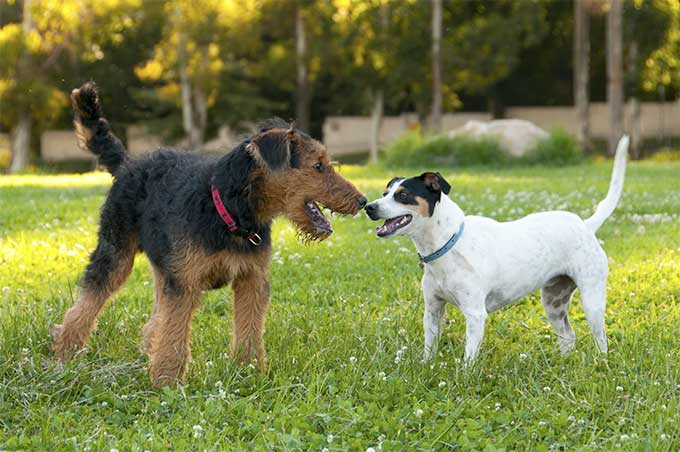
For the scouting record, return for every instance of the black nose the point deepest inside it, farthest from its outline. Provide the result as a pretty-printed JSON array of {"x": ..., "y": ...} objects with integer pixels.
[
  {"x": 371, "y": 210},
  {"x": 362, "y": 201}
]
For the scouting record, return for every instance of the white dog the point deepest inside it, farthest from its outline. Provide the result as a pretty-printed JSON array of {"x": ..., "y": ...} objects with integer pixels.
[{"x": 482, "y": 265}]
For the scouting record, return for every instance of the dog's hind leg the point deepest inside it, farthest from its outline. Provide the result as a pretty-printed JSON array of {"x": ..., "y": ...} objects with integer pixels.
[
  {"x": 251, "y": 301},
  {"x": 594, "y": 301},
  {"x": 110, "y": 265},
  {"x": 169, "y": 346},
  {"x": 555, "y": 297},
  {"x": 150, "y": 326}
]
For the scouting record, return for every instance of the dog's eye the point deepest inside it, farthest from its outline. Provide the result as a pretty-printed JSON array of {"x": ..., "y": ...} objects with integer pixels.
[{"x": 319, "y": 167}]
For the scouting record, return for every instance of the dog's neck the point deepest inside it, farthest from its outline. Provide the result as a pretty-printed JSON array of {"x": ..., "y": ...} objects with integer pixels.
[{"x": 435, "y": 231}]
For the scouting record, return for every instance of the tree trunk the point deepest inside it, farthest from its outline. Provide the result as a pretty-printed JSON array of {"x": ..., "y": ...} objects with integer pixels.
[
  {"x": 302, "y": 94},
  {"x": 615, "y": 72},
  {"x": 376, "y": 124},
  {"x": 582, "y": 70},
  {"x": 636, "y": 127},
  {"x": 436, "y": 113},
  {"x": 21, "y": 140},
  {"x": 21, "y": 133},
  {"x": 187, "y": 98}
]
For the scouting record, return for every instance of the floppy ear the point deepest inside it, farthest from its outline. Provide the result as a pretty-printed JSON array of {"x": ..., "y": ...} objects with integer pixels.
[
  {"x": 435, "y": 182},
  {"x": 393, "y": 180},
  {"x": 272, "y": 149}
]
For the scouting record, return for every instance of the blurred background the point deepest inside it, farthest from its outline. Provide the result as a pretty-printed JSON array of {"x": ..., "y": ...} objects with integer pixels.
[{"x": 425, "y": 80}]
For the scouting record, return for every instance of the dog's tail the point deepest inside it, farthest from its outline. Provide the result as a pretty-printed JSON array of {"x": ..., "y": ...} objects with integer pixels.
[
  {"x": 608, "y": 204},
  {"x": 93, "y": 130}
]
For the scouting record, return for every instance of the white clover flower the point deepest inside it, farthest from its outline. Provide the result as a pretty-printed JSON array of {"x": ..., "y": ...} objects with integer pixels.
[
  {"x": 625, "y": 437},
  {"x": 442, "y": 384},
  {"x": 619, "y": 388},
  {"x": 382, "y": 376},
  {"x": 197, "y": 430},
  {"x": 370, "y": 449},
  {"x": 542, "y": 423},
  {"x": 546, "y": 388},
  {"x": 419, "y": 412},
  {"x": 663, "y": 437},
  {"x": 353, "y": 359},
  {"x": 114, "y": 450},
  {"x": 523, "y": 356}
]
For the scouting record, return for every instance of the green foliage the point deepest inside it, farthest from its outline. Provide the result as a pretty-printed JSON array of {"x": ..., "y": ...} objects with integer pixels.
[
  {"x": 345, "y": 345},
  {"x": 665, "y": 155},
  {"x": 560, "y": 148}
]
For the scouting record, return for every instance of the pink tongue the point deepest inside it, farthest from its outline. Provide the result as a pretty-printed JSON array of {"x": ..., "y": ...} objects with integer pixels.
[{"x": 387, "y": 226}]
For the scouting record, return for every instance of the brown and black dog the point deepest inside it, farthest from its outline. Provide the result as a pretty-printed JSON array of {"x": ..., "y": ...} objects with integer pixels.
[{"x": 171, "y": 205}]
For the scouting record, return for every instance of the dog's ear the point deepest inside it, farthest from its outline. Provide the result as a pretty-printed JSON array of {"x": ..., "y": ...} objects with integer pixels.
[
  {"x": 435, "y": 182},
  {"x": 272, "y": 149},
  {"x": 393, "y": 180}
]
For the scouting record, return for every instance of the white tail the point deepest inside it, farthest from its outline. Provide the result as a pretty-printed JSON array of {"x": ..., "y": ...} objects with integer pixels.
[{"x": 608, "y": 204}]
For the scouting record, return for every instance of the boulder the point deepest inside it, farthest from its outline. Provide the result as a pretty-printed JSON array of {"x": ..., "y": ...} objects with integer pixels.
[{"x": 515, "y": 135}]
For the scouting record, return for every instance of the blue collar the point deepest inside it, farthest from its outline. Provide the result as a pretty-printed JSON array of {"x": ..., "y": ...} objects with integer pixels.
[{"x": 444, "y": 249}]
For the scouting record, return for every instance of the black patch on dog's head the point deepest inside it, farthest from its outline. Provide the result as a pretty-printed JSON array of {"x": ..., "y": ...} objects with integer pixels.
[
  {"x": 428, "y": 186},
  {"x": 273, "y": 148}
]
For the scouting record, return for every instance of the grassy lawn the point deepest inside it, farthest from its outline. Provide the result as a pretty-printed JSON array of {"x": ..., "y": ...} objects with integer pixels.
[{"x": 344, "y": 335}]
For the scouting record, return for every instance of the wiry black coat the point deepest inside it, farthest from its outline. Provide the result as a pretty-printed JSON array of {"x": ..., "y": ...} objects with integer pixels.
[{"x": 163, "y": 201}]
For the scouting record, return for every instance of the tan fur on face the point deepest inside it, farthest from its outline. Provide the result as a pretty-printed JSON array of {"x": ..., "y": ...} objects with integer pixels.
[
  {"x": 422, "y": 209},
  {"x": 287, "y": 192}
]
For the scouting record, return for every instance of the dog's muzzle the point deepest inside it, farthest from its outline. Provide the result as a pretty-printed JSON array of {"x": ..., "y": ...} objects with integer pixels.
[{"x": 372, "y": 211}]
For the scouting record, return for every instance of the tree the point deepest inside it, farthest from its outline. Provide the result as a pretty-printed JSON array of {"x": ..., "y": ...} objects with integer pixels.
[
  {"x": 648, "y": 26},
  {"x": 615, "y": 73},
  {"x": 34, "y": 50},
  {"x": 302, "y": 90},
  {"x": 202, "y": 40},
  {"x": 436, "y": 114},
  {"x": 484, "y": 43},
  {"x": 362, "y": 33},
  {"x": 581, "y": 70}
]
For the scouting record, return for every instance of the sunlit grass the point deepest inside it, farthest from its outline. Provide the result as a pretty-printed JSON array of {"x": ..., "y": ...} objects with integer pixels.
[{"x": 344, "y": 335}]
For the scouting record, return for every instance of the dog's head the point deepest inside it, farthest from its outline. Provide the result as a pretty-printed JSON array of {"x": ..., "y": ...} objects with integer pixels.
[
  {"x": 407, "y": 202},
  {"x": 300, "y": 178}
]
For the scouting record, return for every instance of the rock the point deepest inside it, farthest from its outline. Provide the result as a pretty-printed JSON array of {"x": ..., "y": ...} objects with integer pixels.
[{"x": 515, "y": 135}]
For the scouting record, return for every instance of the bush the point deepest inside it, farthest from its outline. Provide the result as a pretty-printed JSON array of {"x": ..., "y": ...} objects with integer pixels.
[
  {"x": 560, "y": 148},
  {"x": 414, "y": 150},
  {"x": 665, "y": 155}
]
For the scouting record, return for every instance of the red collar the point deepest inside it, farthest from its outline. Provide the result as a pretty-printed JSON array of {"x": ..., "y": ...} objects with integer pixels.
[{"x": 252, "y": 237}]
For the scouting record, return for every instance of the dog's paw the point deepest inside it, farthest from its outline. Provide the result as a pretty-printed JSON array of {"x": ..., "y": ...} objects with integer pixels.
[{"x": 55, "y": 332}]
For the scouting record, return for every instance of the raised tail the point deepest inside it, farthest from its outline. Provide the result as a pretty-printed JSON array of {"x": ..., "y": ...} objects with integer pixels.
[
  {"x": 608, "y": 204},
  {"x": 93, "y": 130}
]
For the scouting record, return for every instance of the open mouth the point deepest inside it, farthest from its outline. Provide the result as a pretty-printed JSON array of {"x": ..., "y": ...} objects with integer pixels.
[
  {"x": 318, "y": 219},
  {"x": 392, "y": 225}
]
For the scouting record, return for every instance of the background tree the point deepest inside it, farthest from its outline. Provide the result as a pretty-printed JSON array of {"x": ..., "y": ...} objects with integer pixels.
[
  {"x": 36, "y": 51},
  {"x": 581, "y": 70},
  {"x": 615, "y": 73},
  {"x": 201, "y": 41},
  {"x": 436, "y": 114}
]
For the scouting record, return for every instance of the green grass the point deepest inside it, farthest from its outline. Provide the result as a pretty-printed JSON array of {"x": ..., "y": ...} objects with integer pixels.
[{"x": 344, "y": 336}]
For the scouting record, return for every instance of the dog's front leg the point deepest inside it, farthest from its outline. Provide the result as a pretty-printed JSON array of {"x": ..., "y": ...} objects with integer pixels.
[
  {"x": 432, "y": 322},
  {"x": 251, "y": 301},
  {"x": 475, "y": 318}
]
